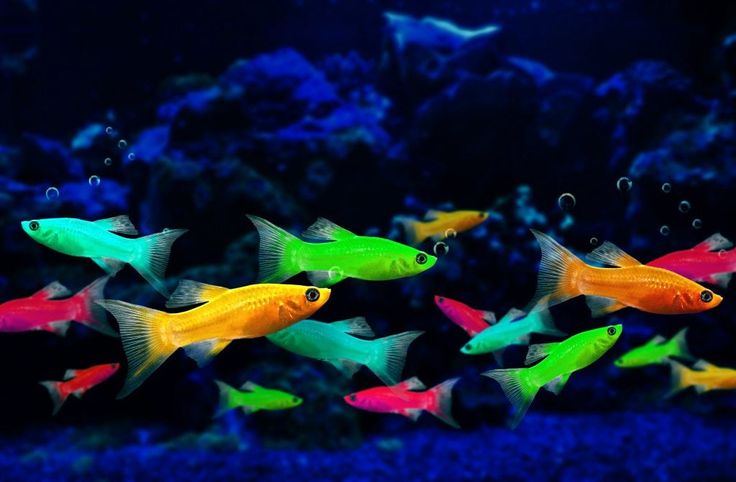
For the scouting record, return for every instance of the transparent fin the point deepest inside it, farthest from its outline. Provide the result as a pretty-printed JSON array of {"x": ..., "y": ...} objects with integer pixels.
[
  {"x": 611, "y": 255},
  {"x": 118, "y": 224},
  {"x": 52, "y": 291},
  {"x": 188, "y": 293},
  {"x": 325, "y": 230}
]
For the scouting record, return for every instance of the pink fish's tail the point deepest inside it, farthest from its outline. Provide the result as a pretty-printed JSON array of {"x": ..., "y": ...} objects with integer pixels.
[
  {"x": 440, "y": 401},
  {"x": 92, "y": 314},
  {"x": 58, "y": 395}
]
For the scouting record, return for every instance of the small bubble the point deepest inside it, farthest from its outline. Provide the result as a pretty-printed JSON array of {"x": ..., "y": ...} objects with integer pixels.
[
  {"x": 441, "y": 249},
  {"x": 108, "y": 161},
  {"x": 664, "y": 230},
  {"x": 721, "y": 253},
  {"x": 109, "y": 130},
  {"x": 594, "y": 241},
  {"x": 94, "y": 181},
  {"x": 52, "y": 193},
  {"x": 684, "y": 206},
  {"x": 450, "y": 233},
  {"x": 666, "y": 187},
  {"x": 131, "y": 156},
  {"x": 566, "y": 201},
  {"x": 122, "y": 143},
  {"x": 697, "y": 223},
  {"x": 624, "y": 184}
]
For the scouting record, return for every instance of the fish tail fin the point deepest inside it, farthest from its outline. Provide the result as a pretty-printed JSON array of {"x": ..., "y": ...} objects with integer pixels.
[
  {"x": 679, "y": 378},
  {"x": 413, "y": 233},
  {"x": 58, "y": 396},
  {"x": 544, "y": 324},
  {"x": 388, "y": 356},
  {"x": 152, "y": 255},
  {"x": 224, "y": 402},
  {"x": 92, "y": 314},
  {"x": 277, "y": 252},
  {"x": 557, "y": 272},
  {"x": 143, "y": 333},
  {"x": 518, "y": 387},
  {"x": 440, "y": 402},
  {"x": 680, "y": 347}
]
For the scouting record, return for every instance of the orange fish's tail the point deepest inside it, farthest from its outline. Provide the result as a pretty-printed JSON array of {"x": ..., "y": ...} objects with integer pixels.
[
  {"x": 92, "y": 314},
  {"x": 557, "y": 274},
  {"x": 145, "y": 342},
  {"x": 413, "y": 232},
  {"x": 58, "y": 396},
  {"x": 440, "y": 401}
]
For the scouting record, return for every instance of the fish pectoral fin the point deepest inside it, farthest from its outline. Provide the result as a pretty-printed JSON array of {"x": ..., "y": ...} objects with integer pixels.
[
  {"x": 203, "y": 351},
  {"x": 357, "y": 326},
  {"x": 523, "y": 339},
  {"x": 118, "y": 224},
  {"x": 325, "y": 279},
  {"x": 557, "y": 384},
  {"x": 715, "y": 242},
  {"x": 346, "y": 367},
  {"x": 719, "y": 279},
  {"x": 190, "y": 292},
  {"x": 601, "y": 306},
  {"x": 411, "y": 384},
  {"x": 702, "y": 388},
  {"x": 611, "y": 255},
  {"x": 78, "y": 393},
  {"x": 539, "y": 351},
  {"x": 325, "y": 230},
  {"x": 51, "y": 291},
  {"x": 412, "y": 413},
  {"x": 248, "y": 410},
  {"x": 250, "y": 387},
  {"x": 57, "y": 327},
  {"x": 109, "y": 265}
]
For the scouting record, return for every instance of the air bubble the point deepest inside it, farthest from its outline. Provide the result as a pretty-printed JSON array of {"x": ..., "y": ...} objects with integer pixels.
[
  {"x": 697, "y": 223},
  {"x": 131, "y": 156},
  {"x": 624, "y": 184},
  {"x": 450, "y": 233},
  {"x": 52, "y": 193},
  {"x": 721, "y": 253},
  {"x": 109, "y": 130},
  {"x": 94, "y": 181},
  {"x": 594, "y": 241},
  {"x": 566, "y": 201},
  {"x": 441, "y": 249},
  {"x": 108, "y": 161},
  {"x": 122, "y": 143},
  {"x": 666, "y": 187},
  {"x": 664, "y": 230},
  {"x": 684, "y": 206}
]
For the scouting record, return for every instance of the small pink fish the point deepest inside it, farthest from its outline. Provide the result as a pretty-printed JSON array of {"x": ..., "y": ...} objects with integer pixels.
[
  {"x": 469, "y": 319},
  {"x": 78, "y": 382},
  {"x": 42, "y": 311},
  {"x": 708, "y": 261},
  {"x": 404, "y": 399}
]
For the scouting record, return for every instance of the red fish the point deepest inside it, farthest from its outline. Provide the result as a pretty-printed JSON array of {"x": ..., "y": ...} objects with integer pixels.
[
  {"x": 469, "y": 319},
  {"x": 707, "y": 261},
  {"x": 77, "y": 382},
  {"x": 43, "y": 311},
  {"x": 405, "y": 399}
]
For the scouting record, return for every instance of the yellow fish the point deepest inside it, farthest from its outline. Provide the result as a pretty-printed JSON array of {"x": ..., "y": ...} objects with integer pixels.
[
  {"x": 149, "y": 336},
  {"x": 703, "y": 376},
  {"x": 440, "y": 224}
]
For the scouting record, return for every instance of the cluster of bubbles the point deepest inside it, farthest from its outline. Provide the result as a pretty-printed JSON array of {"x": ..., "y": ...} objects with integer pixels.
[{"x": 440, "y": 247}]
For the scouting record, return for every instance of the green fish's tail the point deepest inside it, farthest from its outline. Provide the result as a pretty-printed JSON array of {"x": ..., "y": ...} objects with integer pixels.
[
  {"x": 277, "y": 252},
  {"x": 152, "y": 255},
  {"x": 389, "y": 355},
  {"x": 225, "y": 402},
  {"x": 679, "y": 348},
  {"x": 518, "y": 387},
  {"x": 146, "y": 345},
  {"x": 58, "y": 396}
]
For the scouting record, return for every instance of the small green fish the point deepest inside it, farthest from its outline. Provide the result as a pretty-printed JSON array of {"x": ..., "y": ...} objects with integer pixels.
[
  {"x": 340, "y": 254},
  {"x": 513, "y": 329},
  {"x": 657, "y": 351},
  {"x": 560, "y": 360},
  {"x": 252, "y": 398},
  {"x": 336, "y": 343},
  {"x": 99, "y": 241}
]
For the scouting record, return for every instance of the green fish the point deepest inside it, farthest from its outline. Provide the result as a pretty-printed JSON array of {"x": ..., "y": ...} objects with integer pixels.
[
  {"x": 252, "y": 398},
  {"x": 560, "y": 360},
  {"x": 336, "y": 343},
  {"x": 657, "y": 351},
  {"x": 513, "y": 329},
  {"x": 100, "y": 241},
  {"x": 340, "y": 254}
]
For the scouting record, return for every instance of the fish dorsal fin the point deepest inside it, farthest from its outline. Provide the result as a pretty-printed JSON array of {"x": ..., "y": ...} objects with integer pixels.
[
  {"x": 412, "y": 383},
  {"x": 487, "y": 316},
  {"x": 611, "y": 255},
  {"x": 70, "y": 373},
  {"x": 250, "y": 387},
  {"x": 715, "y": 242},
  {"x": 117, "y": 224},
  {"x": 354, "y": 326},
  {"x": 190, "y": 292},
  {"x": 703, "y": 365},
  {"x": 433, "y": 214},
  {"x": 657, "y": 340},
  {"x": 51, "y": 291},
  {"x": 537, "y": 352},
  {"x": 512, "y": 315},
  {"x": 325, "y": 230}
]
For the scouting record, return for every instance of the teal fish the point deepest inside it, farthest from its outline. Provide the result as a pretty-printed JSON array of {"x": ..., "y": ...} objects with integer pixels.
[
  {"x": 336, "y": 343},
  {"x": 657, "y": 351},
  {"x": 100, "y": 241},
  {"x": 252, "y": 398}
]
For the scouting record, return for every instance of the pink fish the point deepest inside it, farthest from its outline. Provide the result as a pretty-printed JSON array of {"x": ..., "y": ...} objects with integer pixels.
[
  {"x": 78, "y": 382},
  {"x": 469, "y": 319},
  {"x": 405, "y": 399},
  {"x": 708, "y": 261},
  {"x": 43, "y": 311}
]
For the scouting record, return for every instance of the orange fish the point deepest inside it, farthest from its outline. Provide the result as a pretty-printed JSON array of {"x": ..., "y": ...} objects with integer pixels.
[
  {"x": 563, "y": 276},
  {"x": 440, "y": 224},
  {"x": 78, "y": 382}
]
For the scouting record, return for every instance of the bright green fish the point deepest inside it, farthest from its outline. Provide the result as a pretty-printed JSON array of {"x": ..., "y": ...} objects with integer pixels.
[
  {"x": 513, "y": 329},
  {"x": 336, "y": 343},
  {"x": 340, "y": 255},
  {"x": 657, "y": 351},
  {"x": 560, "y": 360},
  {"x": 100, "y": 241},
  {"x": 252, "y": 398}
]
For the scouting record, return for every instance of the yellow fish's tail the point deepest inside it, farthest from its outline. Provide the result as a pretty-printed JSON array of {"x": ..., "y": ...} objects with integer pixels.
[
  {"x": 679, "y": 378},
  {"x": 277, "y": 252},
  {"x": 152, "y": 255},
  {"x": 413, "y": 230},
  {"x": 145, "y": 343}
]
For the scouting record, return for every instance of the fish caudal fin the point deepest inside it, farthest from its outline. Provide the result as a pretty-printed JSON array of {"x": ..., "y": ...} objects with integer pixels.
[
  {"x": 389, "y": 354},
  {"x": 224, "y": 403},
  {"x": 412, "y": 230},
  {"x": 545, "y": 325},
  {"x": 679, "y": 378},
  {"x": 144, "y": 341},
  {"x": 440, "y": 402},
  {"x": 152, "y": 255},
  {"x": 679, "y": 346},
  {"x": 557, "y": 271},
  {"x": 93, "y": 315},
  {"x": 518, "y": 388},
  {"x": 58, "y": 396},
  {"x": 276, "y": 252}
]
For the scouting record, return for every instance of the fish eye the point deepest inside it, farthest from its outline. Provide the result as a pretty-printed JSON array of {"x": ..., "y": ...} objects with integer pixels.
[
  {"x": 440, "y": 300},
  {"x": 706, "y": 296},
  {"x": 421, "y": 258},
  {"x": 33, "y": 225},
  {"x": 468, "y": 346},
  {"x": 482, "y": 215},
  {"x": 295, "y": 399},
  {"x": 611, "y": 330},
  {"x": 352, "y": 397},
  {"x": 312, "y": 294}
]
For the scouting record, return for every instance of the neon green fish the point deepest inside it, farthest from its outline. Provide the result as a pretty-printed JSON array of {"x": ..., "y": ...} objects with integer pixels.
[
  {"x": 560, "y": 360},
  {"x": 100, "y": 241},
  {"x": 335, "y": 343},
  {"x": 342, "y": 255},
  {"x": 657, "y": 351},
  {"x": 252, "y": 398}
]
